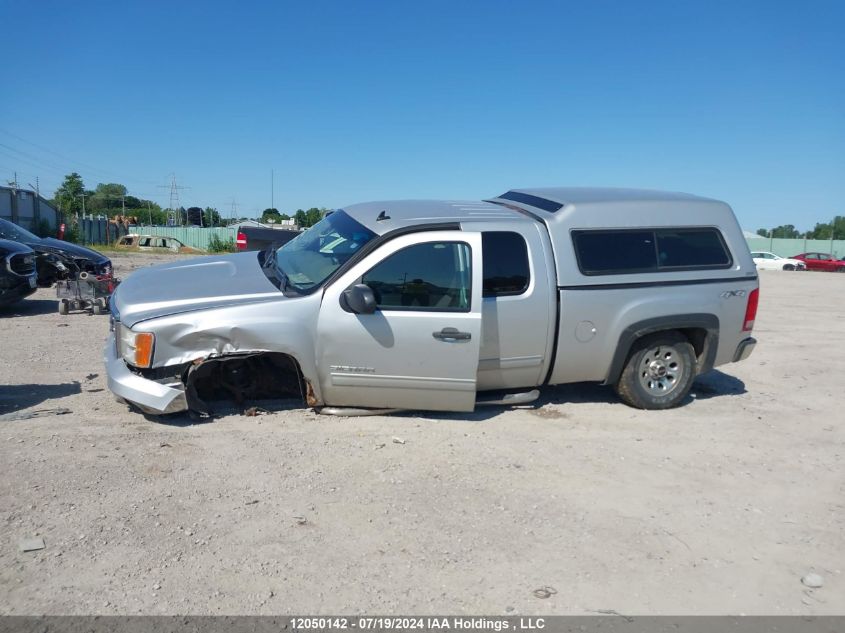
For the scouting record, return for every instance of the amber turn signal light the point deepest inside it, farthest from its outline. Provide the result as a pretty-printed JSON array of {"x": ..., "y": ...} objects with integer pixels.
[{"x": 144, "y": 349}]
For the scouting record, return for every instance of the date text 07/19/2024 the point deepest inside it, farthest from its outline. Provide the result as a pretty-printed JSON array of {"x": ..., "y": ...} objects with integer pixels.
[{"x": 429, "y": 623}]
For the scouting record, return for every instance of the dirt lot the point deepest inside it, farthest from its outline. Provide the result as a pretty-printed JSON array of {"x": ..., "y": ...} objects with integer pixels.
[{"x": 720, "y": 506}]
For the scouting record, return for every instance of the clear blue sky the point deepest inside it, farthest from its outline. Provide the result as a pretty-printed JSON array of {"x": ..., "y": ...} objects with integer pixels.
[{"x": 354, "y": 101}]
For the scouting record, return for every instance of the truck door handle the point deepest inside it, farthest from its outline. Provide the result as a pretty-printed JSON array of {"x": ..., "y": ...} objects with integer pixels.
[{"x": 451, "y": 334}]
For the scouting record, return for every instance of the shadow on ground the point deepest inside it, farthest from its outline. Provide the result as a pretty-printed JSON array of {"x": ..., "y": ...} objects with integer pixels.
[
  {"x": 710, "y": 385},
  {"x": 716, "y": 383},
  {"x": 17, "y": 397},
  {"x": 29, "y": 307},
  {"x": 223, "y": 409}
]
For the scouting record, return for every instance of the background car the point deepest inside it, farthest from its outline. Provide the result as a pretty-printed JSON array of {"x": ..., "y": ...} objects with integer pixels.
[
  {"x": 769, "y": 261},
  {"x": 154, "y": 243},
  {"x": 822, "y": 261},
  {"x": 56, "y": 259},
  {"x": 17, "y": 272}
]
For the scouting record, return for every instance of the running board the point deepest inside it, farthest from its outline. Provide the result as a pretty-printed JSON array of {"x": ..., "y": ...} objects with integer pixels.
[
  {"x": 508, "y": 400},
  {"x": 355, "y": 412},
  {"x": 512, "y": 399}
]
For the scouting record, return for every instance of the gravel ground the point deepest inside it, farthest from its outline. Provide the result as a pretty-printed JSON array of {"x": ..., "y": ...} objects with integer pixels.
[{"x": 718, "y": 507}]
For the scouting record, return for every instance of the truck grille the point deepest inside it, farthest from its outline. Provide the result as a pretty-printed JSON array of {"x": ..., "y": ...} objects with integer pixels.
[{"x": 22, "y": 264}]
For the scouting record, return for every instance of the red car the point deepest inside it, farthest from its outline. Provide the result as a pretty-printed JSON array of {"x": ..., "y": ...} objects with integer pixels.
[{"x": 822, "y": 261}]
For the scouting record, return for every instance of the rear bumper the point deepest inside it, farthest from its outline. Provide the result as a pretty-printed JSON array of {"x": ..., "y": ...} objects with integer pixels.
[
  {"x": 147, "y": 395},
  {"x": 744, "y": 349}
]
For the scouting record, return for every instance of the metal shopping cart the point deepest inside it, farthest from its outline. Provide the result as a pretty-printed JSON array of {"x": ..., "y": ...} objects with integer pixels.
[{"x": 86, "y": 292}]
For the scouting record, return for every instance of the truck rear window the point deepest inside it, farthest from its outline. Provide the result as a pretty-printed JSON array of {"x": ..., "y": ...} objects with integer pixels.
[{"x": 624, "y": 251}]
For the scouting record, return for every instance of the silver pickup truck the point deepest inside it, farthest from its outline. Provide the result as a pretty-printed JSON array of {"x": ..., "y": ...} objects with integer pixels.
[{"x": 442, "y": 305}]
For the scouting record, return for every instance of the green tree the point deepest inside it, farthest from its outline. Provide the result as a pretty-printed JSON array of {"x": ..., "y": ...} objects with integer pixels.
[
  {"x": 785, "y": 231},
  {"x": 211, "y": 217},
  {"x": 271, "y": 214},
  {"x": 314, "y": 215},
  {"x": 68, "y": 197},
  {"x": 152, "y": 214},
  {"x": 132, "y": 202},
  {"x": 111, "y": 189},
  {"x": 310, "y": 217},
  {"x": 106, "y": 198}
]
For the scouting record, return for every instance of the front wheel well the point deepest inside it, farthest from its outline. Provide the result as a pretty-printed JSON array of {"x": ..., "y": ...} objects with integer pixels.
[{"x": 242, "y": 377}]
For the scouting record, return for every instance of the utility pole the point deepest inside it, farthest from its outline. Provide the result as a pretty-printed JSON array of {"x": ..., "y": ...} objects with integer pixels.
[
  {"x": 272, "y": 201},
  {"x": 81, "y": 223},
  {"x": 37, "y": 206},
  {"x": 150, "y": 211},
  {"x": 14, "y": 201},
  {"x": 832, "y": 232}
]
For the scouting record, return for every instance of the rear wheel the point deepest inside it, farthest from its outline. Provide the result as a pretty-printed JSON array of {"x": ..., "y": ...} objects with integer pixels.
[
  {"x": 841, "y": 269},
  {"x": 659, "y": 371}
]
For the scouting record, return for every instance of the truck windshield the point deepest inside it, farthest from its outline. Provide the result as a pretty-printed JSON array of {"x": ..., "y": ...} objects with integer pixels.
[{"x": 312, "y": 256}]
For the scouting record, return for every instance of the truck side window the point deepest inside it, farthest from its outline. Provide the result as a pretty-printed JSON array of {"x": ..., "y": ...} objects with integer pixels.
[
  {"x": 696, "y": 248},
  {"x": 611, "y": 252},
  {"x": 505, "y": 257},
  {"x": 621, "y": 251},
  {"x": 434, "y": 276}
]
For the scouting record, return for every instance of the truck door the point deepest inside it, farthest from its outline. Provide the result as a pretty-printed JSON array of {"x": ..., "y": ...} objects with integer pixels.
[
  {"x": 420, "y": 348},
  {"x": 519, "y": 307}
]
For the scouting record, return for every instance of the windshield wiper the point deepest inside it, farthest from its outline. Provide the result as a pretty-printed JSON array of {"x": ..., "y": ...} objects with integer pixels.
[
  {"x": 275, "y": 270},
  {"x": 283, "y": 280},
  {"x": 269, "y": 258}
]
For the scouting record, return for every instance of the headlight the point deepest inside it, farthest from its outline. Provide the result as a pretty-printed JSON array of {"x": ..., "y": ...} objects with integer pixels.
[{"x": 136, "y": 348}]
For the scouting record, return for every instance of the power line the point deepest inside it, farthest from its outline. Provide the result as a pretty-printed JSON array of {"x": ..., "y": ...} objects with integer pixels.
[
  {"x": 111, "y": 174},
  {"x": 32, "y": 163}
]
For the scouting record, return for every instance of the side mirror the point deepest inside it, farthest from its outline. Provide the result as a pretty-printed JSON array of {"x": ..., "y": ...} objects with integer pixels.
[{"x": 358, "y": 299}]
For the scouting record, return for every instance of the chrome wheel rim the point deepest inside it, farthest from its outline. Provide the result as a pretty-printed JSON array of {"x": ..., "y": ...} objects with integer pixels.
[{"x": 660, "y": 370}]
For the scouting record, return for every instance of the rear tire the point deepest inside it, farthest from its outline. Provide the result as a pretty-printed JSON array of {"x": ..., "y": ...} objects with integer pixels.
[
  {"x": 659, "y": 371},
  {"x": 841, "y": 269}
]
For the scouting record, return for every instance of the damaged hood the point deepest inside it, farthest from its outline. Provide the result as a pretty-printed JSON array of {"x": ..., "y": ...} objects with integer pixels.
[{"x": 197, "y": 284}]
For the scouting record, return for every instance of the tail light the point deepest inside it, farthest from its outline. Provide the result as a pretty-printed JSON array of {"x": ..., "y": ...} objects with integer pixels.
[
  {"x": 241, "y": 241},
  {"x": 751, "y": 310}
]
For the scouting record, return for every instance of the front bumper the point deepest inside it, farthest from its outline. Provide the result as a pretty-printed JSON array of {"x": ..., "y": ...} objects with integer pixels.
[
  {"x": 744, "y": 349},
  {"x": 147, "y": 395},
  {"x": 25, "y": 287}
]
